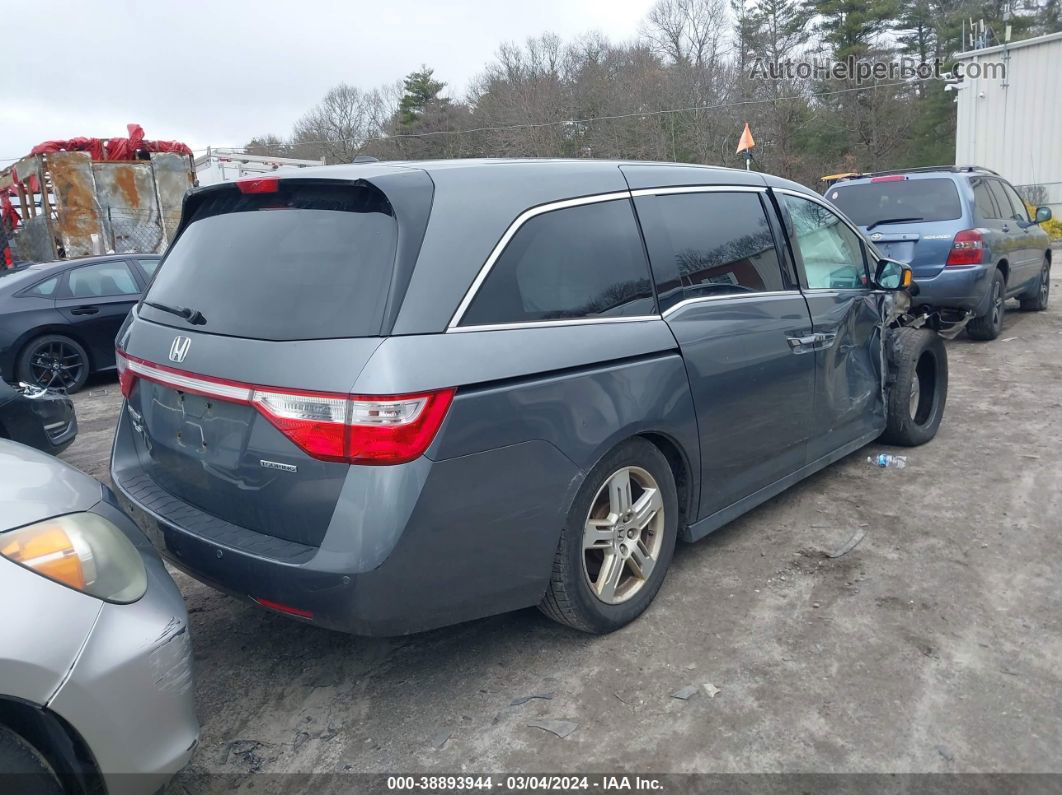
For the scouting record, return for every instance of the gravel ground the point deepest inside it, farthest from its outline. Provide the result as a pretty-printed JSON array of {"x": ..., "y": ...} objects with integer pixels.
[{"x": 933, "y": 646}]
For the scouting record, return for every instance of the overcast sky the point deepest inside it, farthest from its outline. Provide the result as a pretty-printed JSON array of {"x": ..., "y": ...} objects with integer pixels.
[{"x": 218, "y": 73}]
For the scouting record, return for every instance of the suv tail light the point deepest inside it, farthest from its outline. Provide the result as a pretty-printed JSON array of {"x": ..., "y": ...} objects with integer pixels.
[
  {"x": 968, "y": 248},
  {"x": 354, "y": 429},
  {"x": 125, "y": 375}
]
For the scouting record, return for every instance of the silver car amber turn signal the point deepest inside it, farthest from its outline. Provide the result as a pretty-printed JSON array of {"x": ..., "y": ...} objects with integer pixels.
[{"x": 83, "y": 551}]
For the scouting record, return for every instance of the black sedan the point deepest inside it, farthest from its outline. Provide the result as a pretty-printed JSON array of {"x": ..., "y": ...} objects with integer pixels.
[
  {"x": 58, "y": 320},
  {"x": 41, "y": 418}
]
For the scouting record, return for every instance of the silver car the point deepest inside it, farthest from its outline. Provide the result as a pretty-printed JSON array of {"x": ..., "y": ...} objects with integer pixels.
[{"x": 95, "y": 661}]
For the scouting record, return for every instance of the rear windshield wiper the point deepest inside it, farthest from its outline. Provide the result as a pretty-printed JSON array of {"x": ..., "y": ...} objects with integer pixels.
[
  {"x": 894, "y": 221},
  {"x": 193, "y": 316}
]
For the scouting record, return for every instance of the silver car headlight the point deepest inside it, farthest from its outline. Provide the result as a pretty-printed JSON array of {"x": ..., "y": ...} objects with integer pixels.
[{"x": 83, "y": 551}]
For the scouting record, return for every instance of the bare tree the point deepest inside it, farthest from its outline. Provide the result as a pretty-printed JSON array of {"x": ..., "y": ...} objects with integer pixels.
[
  {"x": 687, "y": 32},
  {"x": 341, "y": 125},
  {"x": 269, "y": 144}
]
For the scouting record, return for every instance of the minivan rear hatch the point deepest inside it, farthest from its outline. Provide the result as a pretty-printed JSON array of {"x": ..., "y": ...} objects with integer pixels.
[
  {"x": 266, "y": 307},
  {"x": 910, "y": 220}
]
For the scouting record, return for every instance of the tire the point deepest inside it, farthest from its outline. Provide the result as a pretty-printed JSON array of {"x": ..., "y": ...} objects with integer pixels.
[
  {"x": 919, "y": 388},
  {"x": 571, "y": 598},
  {"x": 25, "y": 768},
  {"x": 1037, "y": 302},
  {"x": 37, "y": 362},
  {"x": 989, "y": 325}
]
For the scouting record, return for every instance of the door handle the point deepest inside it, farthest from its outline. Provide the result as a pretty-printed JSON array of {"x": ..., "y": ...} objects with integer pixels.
[
  {"x": 812, "y": 342},
  {"x": 84, "y": 310},
  {"x": 1006, "y": 228},
  {"x": 802, "y": 344}
]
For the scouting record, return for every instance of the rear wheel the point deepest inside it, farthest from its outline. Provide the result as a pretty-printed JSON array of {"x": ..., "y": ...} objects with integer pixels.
[
  {"x": 55, "y": 362},
  {"x": 1037, "y": 301},
  {"x": 989, "y": 325},
  {"x": 919, "y": 389},
  {"x": 28, "y": 769},
  {"x": 617, "y": 543}
]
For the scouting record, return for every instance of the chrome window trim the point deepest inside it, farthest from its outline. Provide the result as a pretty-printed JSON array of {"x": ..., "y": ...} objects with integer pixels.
[
  {"x": 575, "y": 321},
  {"x": 514, "y": 227},
  {"x": 728, "y": 296},
  {"x": 698, "y": 189}
]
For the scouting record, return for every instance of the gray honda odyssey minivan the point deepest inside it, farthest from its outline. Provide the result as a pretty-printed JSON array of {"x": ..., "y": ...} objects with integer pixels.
[{"x": 386, "y": 397}]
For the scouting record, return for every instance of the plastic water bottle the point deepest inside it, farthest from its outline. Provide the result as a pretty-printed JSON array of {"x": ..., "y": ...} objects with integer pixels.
[{"x": 888, "y": 461}]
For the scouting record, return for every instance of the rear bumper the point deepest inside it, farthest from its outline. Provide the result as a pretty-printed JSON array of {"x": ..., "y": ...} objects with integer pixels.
[
  {"x": 443, "y": 542},
  {"x": 956, "y": 286}
]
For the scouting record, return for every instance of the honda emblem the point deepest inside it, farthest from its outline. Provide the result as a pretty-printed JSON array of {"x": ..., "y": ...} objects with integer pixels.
[{"x": 179, "y": 349}]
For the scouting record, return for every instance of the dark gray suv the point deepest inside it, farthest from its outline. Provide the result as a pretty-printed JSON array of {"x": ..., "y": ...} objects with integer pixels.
[{"x": 391, "y": 396}]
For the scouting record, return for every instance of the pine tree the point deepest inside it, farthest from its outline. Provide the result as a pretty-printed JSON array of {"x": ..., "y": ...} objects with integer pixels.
[
  {"x": 421, "y": 90},
  {"x": 849, "y": 27}
]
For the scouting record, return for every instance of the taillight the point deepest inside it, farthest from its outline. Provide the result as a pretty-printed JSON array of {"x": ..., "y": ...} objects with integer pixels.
[
  {"x": 393, "y": 430},
  {"x": 355, "y": 429},
  {"x": 316, "y": 422},
  {"x": 968, "y": 248},
  {"x": 125, "y": 375},
  {"x": 892, "y": 178}
]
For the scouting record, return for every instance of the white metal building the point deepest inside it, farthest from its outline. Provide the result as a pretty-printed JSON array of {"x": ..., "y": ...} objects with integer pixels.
[
  {"x": 222, "y": 165},
  {"x": 1013, "y": 125}
]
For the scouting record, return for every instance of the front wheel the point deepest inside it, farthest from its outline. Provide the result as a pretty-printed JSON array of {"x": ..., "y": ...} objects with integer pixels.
[
  {"x": 617, "y": 542},
  {"x": 920, "y": 387},
  {"x": 1037, "y": 301},
  {"x": 25, "y": 765}
]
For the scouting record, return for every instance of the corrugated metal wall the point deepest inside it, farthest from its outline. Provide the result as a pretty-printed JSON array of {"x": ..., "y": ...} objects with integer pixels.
[{"x": 1014, "y": 126}]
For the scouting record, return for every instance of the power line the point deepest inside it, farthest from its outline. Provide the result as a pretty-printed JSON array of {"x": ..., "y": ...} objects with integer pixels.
[
  {"x": 559, "y": 122},
  {"x": 589, "y": 120}
]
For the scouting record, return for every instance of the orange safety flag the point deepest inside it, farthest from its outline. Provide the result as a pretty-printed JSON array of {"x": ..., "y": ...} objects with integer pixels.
[{"x": 746, "y": 141}]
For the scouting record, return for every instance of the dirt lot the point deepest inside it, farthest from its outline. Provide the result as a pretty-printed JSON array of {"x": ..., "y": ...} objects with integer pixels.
[{"x": 935, "y": 645}]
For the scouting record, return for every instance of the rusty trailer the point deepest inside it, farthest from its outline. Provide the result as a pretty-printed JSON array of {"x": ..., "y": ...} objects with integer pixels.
[{"x": 65, "y": 204}]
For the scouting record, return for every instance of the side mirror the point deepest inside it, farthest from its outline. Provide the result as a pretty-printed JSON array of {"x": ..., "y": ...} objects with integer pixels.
[
  {"x": 892, "y": 275},
  {"x": 1043, "y": 214}
]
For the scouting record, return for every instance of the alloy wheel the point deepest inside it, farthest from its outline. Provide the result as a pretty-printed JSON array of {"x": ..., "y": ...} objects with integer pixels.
[
  {"x": 623, "y": 535},
  {"x": 997, "y": 305},
  {"x": 56, "y": 365},
  {"x": 916, "y": 395}
]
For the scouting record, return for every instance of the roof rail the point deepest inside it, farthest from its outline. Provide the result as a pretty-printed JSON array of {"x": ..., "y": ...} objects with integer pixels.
[{"x": 929, "y": 169}]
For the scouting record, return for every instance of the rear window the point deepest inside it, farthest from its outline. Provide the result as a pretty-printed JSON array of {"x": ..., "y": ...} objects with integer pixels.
[
  {"x": 44, "y": 289},
  {"x": 912, "y": 200},
  {"x": 308, "y": 262}
]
